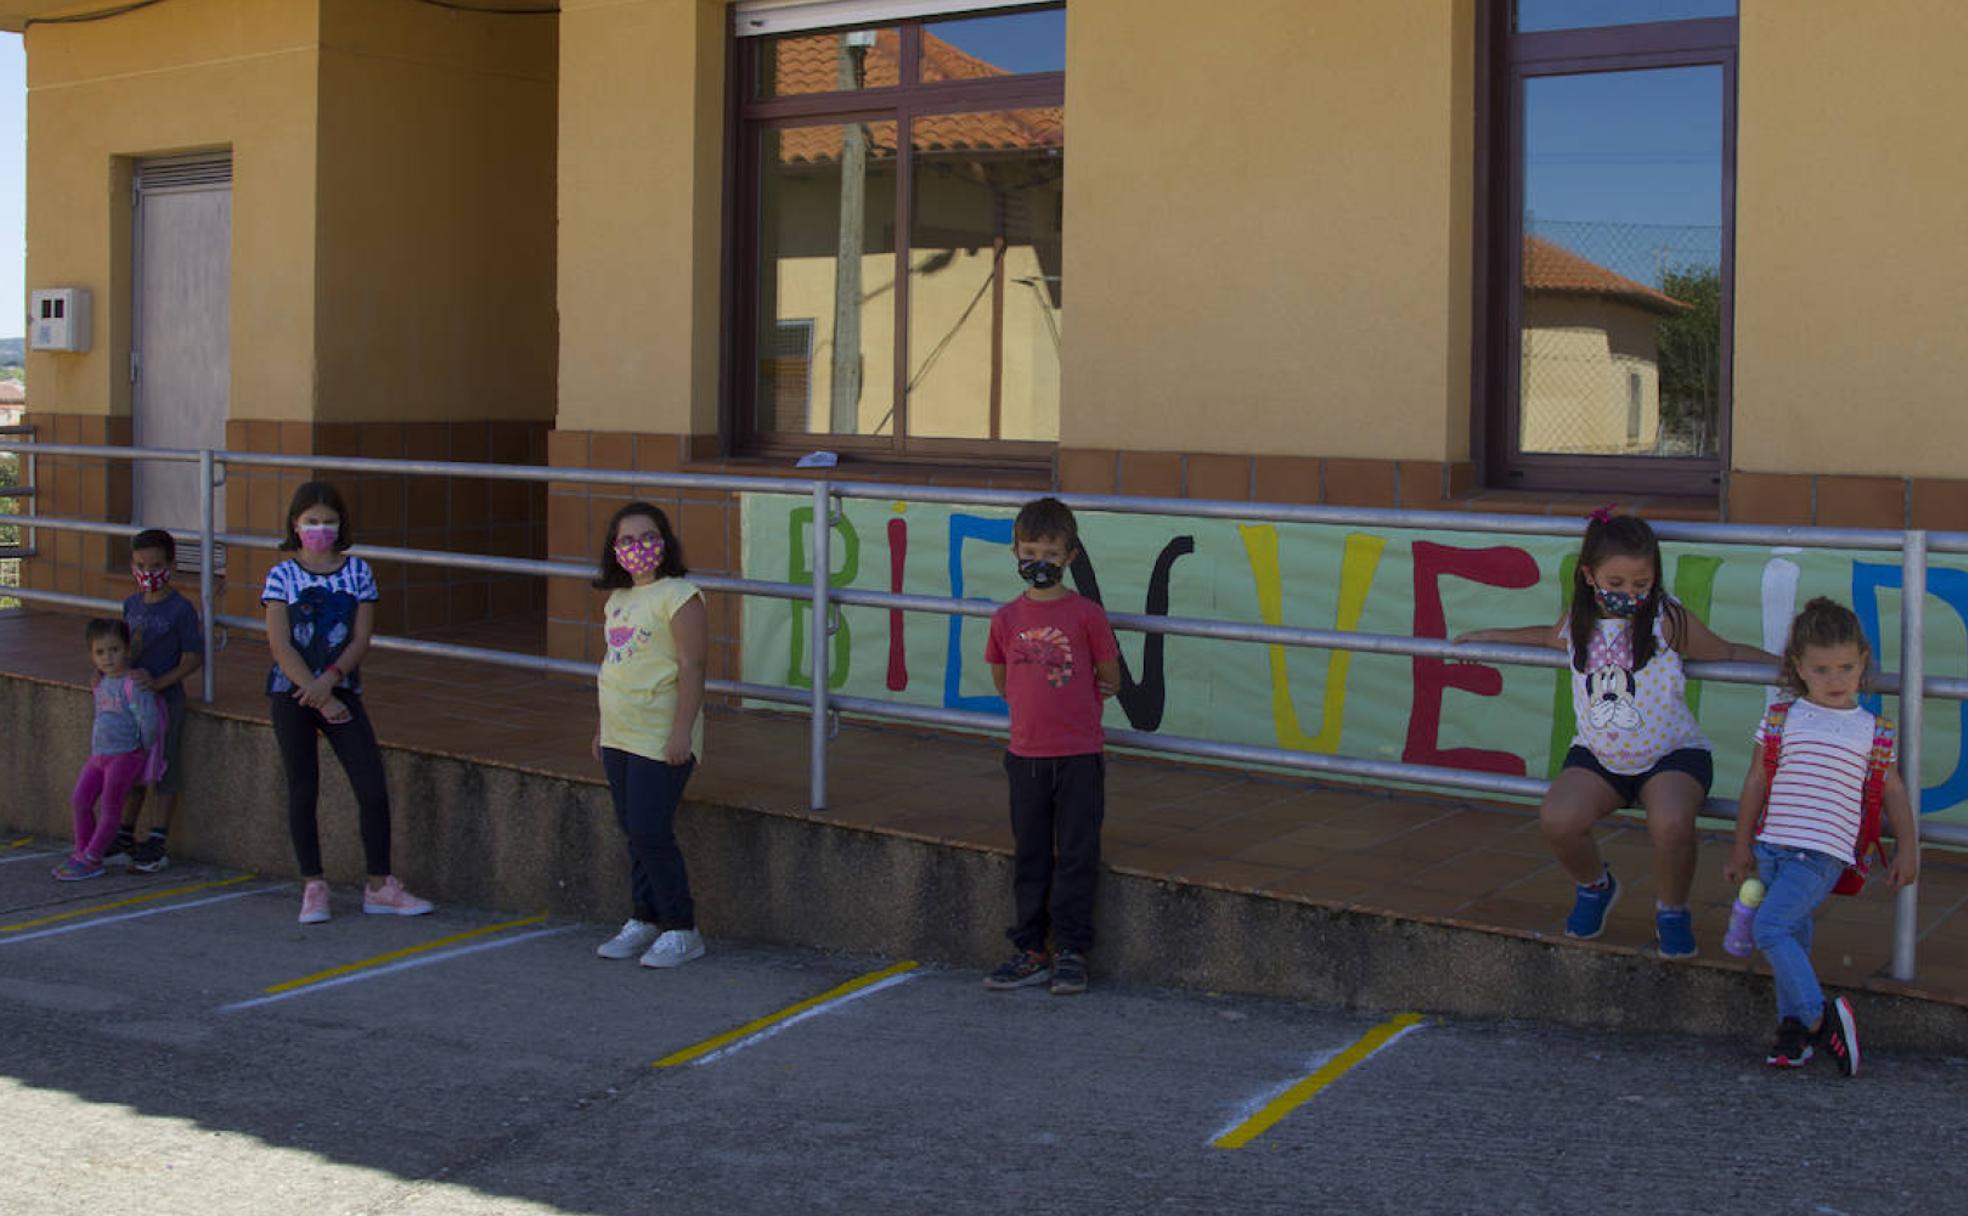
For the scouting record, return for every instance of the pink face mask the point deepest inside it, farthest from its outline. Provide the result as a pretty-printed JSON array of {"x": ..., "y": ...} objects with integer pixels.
[
  {"x": 639, "y": 557},
  {"x": 318, "y": 538},
  {"x": 151, "y": 580}
]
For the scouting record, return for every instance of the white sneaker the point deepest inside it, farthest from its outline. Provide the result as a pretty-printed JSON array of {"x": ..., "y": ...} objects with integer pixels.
[
  {"x": 674, "y": 948},
  {"x": 631, "y": 941}
]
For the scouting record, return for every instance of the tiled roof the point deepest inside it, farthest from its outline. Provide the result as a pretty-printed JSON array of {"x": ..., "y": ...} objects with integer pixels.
[
  {"x": 811, "y": 65},
  {"x": 12, "y": 392},
  {"x": 1556, "y": 269}
]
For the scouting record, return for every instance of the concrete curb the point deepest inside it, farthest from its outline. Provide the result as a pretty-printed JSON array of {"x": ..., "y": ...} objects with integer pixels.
[{"x": 482, "y": 833}]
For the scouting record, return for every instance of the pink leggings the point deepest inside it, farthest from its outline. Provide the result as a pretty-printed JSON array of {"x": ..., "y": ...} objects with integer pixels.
[{"x": 110, "y": 777}]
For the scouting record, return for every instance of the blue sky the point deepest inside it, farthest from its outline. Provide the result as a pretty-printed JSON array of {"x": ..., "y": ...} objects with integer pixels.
[
  {"x": 13, "y": 186},
  {"x": 1018, "y": 42},
  {"x": 1625, "y": 168}
]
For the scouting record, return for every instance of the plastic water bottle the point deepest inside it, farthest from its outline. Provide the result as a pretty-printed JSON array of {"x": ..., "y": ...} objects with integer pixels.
[{"x": 1741, "y": 938}]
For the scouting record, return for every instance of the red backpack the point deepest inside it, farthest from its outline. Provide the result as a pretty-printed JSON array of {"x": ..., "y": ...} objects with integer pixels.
[{"x": 1871, "y": 802}]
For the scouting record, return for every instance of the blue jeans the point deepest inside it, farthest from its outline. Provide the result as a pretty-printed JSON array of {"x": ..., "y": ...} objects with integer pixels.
[
  {"x": 1795, "y": 882},
  {"x": 646, "y": 794}
]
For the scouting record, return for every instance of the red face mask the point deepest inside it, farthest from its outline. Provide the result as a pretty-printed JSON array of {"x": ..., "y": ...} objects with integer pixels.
[{"x": 151, "y": 580}]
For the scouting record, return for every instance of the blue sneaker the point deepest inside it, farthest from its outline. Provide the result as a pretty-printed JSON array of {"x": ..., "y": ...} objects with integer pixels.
[
  {"x": 77, "y": 868},
  {"x": 1589, "y": 908},
  {"x": 1674, "y": 929}
]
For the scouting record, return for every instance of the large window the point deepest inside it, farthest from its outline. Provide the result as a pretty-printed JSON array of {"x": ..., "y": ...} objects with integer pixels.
[
  {"x": 1607, "y": 278},
  {"x": 898, "y": 238}
]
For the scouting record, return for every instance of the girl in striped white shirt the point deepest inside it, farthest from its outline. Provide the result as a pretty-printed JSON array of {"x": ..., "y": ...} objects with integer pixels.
[{"x": 1797, "y": 829}]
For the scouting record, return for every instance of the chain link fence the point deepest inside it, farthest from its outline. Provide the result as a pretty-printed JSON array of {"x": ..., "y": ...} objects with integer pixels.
[
  {"x": 11, "y": 535},
  {"x": 1621, "y": 340}
]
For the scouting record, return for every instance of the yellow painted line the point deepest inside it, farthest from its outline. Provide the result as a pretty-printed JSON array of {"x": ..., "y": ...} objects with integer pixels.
[
  {"x": 406, "y": 952},
  {"x": 22, "y": 843},
  {"x": 149, "y": 897},
  {"x": 1302, "y": 1091},
  {"x": 753, "y": 1027}
]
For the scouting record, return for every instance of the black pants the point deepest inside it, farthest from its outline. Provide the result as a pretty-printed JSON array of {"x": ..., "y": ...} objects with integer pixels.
[
  {"x": 1057, "y": 803},
  {"x": 646, "y": 795},
  {"x": 354, "y": 741}
]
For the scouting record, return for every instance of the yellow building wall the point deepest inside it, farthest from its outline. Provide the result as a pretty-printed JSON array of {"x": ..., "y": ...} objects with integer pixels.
[
  {"x": 1268, "y": 211},
  {"x": 1579, "y": 357},
  {"x": 436, "y": 214},
  {"x": 1852, "y": 165},
  {"x": 640, "y": 179},
  {"x": 181, "y": 77}
]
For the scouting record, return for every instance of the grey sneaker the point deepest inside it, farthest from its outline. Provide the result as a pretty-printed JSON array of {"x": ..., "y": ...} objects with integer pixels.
[
  {"x": 635, "y": 937},
  {"x": 1069, "y": 973},
  {"x": 149, "y": 857},
  {"x": 674, "y": 948},
  {"x": 1021, "y": 970}
]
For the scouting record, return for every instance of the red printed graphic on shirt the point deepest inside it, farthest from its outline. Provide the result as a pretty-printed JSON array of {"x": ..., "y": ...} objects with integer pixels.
[{"x": 1048, "y": 647}]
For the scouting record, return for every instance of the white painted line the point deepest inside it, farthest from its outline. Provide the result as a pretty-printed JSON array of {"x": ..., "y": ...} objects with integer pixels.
[
  {"x": 7, "y": 861},
  {"x": 375, "y": 972},
  {"x": 110, "y": 920},
  {"x": 1269, "y": 1108},
  {"x": 817, "y": 1010}
]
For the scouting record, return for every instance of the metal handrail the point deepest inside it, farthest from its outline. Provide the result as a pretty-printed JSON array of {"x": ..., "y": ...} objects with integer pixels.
[{"x": 1912, "y": 685}]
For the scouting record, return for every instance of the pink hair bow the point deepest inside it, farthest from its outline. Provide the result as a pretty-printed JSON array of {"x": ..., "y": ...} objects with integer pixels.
[{"x": 1603, "y": 515}]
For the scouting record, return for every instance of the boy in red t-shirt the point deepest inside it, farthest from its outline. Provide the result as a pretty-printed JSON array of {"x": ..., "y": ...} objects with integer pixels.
[{"x": 1041, "y": 648}]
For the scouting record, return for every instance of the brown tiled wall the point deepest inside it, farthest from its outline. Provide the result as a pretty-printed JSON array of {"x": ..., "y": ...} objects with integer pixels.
[
  {"x": 472, "y": 514},
  {"x": 467, "y": 514},
  {"x": 1828, "y": 500},
  {"x": 77, "y": 488}
]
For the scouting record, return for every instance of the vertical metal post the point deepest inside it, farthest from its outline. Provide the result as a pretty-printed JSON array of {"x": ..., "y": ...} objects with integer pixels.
[
  {"x": 1913, "y": 690},
  {"x": 207, "y": 532},
  {"x": 817, "y": 636}
]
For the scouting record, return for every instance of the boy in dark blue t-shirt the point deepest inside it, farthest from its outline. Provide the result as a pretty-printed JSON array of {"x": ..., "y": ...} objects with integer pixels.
[{"x": 167, "y": 647}]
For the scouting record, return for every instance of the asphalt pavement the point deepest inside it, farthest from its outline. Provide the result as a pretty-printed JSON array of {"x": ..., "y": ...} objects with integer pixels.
[{"x": 178, "y": 1044}]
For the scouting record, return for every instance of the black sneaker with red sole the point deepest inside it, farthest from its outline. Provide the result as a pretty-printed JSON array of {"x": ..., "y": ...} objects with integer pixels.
[{"x": 1839, "y": 1036}]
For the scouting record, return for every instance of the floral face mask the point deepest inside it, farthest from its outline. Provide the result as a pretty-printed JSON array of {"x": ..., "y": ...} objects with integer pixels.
[
  {"x": 639, "y": 555},
  {"x": 1620, "y": 603}
]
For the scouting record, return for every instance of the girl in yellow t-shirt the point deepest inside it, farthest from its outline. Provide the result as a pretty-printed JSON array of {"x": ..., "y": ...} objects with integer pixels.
[{"x": 651, "y": 731}]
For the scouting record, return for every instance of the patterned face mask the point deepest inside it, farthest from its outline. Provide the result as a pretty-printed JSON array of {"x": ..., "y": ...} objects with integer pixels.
[
  {"x": 639, "y": 557},
  {"x": 1040, "y": 573},
  {"x": 151, "y": 580},
  {"x": 319, "y": 538},
  {"x": 1620, "y": 603}
]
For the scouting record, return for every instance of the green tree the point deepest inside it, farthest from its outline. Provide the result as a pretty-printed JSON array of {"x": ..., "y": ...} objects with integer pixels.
[{"x": 1691, "y": 360}]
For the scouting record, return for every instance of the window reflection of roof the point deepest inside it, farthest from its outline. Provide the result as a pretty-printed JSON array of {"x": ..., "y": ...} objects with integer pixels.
[
  {"x": 810, "y": 64},
  {"x": 1557, "y": 270}
]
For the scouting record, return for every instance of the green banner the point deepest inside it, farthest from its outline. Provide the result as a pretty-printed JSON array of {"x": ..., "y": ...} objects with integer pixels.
[{"x": 1514, "y": 720}]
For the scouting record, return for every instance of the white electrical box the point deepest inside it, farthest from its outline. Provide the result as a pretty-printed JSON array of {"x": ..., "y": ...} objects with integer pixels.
[{"x": 58, "y": 319}]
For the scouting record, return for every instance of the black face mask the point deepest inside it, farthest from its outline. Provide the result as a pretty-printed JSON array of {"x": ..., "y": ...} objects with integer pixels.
[{"x": 1040, "y": 573}]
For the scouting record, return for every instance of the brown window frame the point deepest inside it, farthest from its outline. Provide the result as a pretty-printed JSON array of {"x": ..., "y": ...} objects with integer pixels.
[
  {"x": 901, "y": 104},
  {"x": 1506, "y": 60}
]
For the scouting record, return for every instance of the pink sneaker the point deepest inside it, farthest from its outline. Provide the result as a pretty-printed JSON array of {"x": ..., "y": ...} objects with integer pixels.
[
  {"x": 391, "y": 899},
  {"x": 314, "y": 901}
]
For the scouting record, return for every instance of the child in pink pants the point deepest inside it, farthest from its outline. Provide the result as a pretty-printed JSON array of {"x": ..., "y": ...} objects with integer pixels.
[{"x": 124, "y": 750}]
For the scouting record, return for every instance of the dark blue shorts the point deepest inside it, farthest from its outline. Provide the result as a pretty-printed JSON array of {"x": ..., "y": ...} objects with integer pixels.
[{"x": 1694, "y": 761}]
